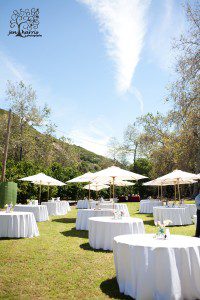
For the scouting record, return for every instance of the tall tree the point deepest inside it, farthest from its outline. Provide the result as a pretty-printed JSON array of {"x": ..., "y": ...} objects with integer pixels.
[{"x": 23, "y": 102}]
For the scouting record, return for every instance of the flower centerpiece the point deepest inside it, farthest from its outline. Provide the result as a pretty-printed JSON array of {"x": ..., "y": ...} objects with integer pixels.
[
  {"x": 161, "y": 232},
  {"x": 8, "y": 207}
]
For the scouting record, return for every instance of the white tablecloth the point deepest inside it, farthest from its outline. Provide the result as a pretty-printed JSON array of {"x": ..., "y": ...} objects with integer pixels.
[
  {"x": 64, "y": 205},
  {"x": 82, "y": 204},
  {"x": 102, "y": 230},
  {"x": 18, "y": 224},
  {"x": 192, "y": 209},
  {"x": 55, "y": 208},
  {"x": 117, "y": 206},
  {"x": 84, "y": 214},
  {"x": 150, "y": 269},
  {"x": 146, "y": 206},
  {"x": 195, "y": 219},
  {"x": 178, "y": 215},
  {"x": 40, "y": 211}
]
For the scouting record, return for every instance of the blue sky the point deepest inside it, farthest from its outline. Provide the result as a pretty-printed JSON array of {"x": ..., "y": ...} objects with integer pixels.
[{"x": 99, "y": 63}]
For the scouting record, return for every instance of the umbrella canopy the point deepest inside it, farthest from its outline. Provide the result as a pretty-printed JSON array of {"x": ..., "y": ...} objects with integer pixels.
[
  {"x": 115, "y": 173},
  {"x": 43, "y": 179},
  {"x": 96, "y": 187},
  {"x": 118, "y": 173},
  {"x": 87, "y": 177},
  {"x": 117, "y": 182},
  {"x": 158, "y": 182},
  {"x": 177, "y": 177}
]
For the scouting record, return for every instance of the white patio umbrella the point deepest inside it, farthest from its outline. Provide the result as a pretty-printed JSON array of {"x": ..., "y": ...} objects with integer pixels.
[
  {"x": 96, "y": 187},
  {"x": 87, "y": 177},
  {"x": 43, "y": 179},
  {"x": 177, "y": 177},
  {"x": 159, "y": 182},
  {"x": 114, "y": 173}
]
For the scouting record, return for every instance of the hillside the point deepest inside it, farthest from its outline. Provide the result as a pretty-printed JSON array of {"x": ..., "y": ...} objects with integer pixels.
[{"x": 45, "y": 149}]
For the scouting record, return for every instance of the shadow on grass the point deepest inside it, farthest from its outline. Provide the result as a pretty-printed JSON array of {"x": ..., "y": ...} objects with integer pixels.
[
  {"x": 86, "y": 246},
  {"x": 76, "y": 233},
  {"x": 65, "y": 220},
  {"x": 110, "y": 288},
  {"x": 149, "y": 222}
]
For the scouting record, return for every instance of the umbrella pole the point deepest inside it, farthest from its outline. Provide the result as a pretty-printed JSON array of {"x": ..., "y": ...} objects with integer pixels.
[
  {"x": 113, "y": 192},
  {"x": 179, "y": 194},
  {"x": 158, "y": 191},
  {"x": 89, "y": 190},
  {"x": 48, "y": 192},
  {"x": 175, "y": 193},
  {"x": 161, "y": 194},
  {"x": 110, "y": 189},
  {"x": 40, "y": 193}
]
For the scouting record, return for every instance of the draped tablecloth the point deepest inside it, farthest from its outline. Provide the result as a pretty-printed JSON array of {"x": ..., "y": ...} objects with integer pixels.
[
  {"x": 116, "y": 206},
  {"x": 102, "y": 230},
  {"x": 149, "y": 269},
  {"x": 55, "y": 208},
  {"x": 192, "y": 209},
  {"x": 195, "y": 219},
  {"x": 40, "y": 211},
  {"x": 84, "y": 214},
  {"x": 82, "y": 204},
  {"x": 146, "y": 206},
  {"x": 178, "y": 215},
  {"x": 64, "y": 206},
  {"x": 18, "y": 224}
]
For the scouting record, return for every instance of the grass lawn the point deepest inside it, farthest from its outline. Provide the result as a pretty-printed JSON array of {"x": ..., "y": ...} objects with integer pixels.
[{"x": 60, "y": 264}]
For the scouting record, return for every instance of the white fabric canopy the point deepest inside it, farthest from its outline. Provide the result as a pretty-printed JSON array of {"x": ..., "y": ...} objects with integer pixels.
[
  {"x": 177, "y": 177},
  {"x": 87, "y": 177},
  {"x": 118, "y": 173},
  {"x": 96, "y": 187},
  {"x": 43, "y": 179}
]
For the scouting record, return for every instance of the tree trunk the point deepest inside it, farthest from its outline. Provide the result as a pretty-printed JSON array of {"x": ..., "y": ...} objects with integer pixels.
[
  {"x": 6, "y": 148},
  {"x": 19, "y": 31}
]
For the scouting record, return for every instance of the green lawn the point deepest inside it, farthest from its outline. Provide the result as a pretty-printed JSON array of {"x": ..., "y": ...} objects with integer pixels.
[{"x": 60, "y": 264}]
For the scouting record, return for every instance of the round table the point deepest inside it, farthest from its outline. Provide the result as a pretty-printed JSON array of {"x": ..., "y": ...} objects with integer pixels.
[
  {"x": 64, "y": 206},
  {"x": 40, "y": 211},
  {"x": 84, "y": 214},
  {"x": 178, "y": 215},
  {"x": 146, "y": 206},
  {"x": 148, "y": 268},
  {"x": 195, "y": 219},
  {"x": 192, "y": 209},
  {"x": 102, "y": 230},
  {"x": 82, "y": 204},
  {"x": 116, "y": 206},
  {"x": 17, "y": 225},
  {"x": 55, "y": 208}
]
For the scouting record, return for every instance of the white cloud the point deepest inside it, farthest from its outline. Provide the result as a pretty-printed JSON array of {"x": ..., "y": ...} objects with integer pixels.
[
  {"x": 92, "y": 135},
  {"x": 123, "y": 23},
  {"x": 170, "y": 23}
]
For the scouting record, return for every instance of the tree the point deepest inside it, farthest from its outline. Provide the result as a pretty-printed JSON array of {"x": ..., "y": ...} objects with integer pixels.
[
  {"x": 23, "y": 103},
  {"x": 27, "y": 19}
]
